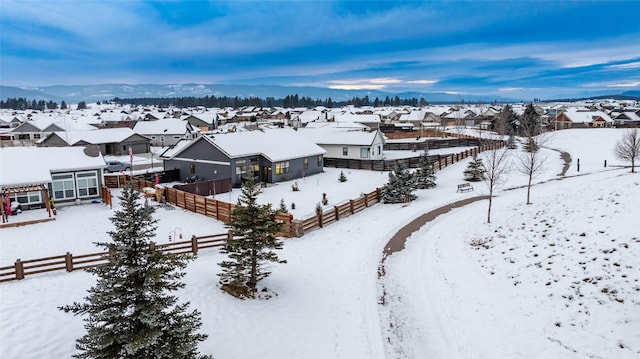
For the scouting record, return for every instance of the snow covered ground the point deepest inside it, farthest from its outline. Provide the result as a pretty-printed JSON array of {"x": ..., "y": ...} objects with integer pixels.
[{"x": 557, "y": 278}]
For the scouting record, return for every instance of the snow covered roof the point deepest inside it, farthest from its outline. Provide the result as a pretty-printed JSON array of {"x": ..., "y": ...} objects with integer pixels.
[
  {"x": 579, "y": 115},
  {"x": 29, "y": 165},
  {"x": 97, "y": 136},
  {"x": 169, "y": 126},
  {"x": 349, "y": 117},
  {"x": 339, "y": 136},
  {"x": 274, "y": 144}
]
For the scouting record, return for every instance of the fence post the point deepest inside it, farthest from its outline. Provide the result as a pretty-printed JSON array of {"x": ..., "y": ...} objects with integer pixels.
[
  {"x": 337, "y": 212},
  {"x": 378, "y": 194},
  {"x": 19, "y": 267},
  {"x": 319, "y": 215},
  {"x": 366, "y": 200},
  {"x": 68, "y": 262},
  {"x": 194, "y": 244},
  {"x": 229, "y": 236},
  {"x": 351, "y": 206}
]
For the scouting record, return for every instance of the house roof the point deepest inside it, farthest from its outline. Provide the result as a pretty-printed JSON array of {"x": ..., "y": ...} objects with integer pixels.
[
  {"x": 581, "y": 116},
  {"x": 169, "y": 126},
  {"x": 107, "y": 135},
  {"x": 28, "y": 165},
  {"x": 339, "y": 136},
  {"x": 274, "y": 144}
]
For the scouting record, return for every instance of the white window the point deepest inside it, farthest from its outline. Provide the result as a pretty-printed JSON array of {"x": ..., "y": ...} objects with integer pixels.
[
  {"x": 87, "y": 184},
  {"x": 345, "y": 151},
  {"x": 63, "y": 187},
  {"x": 364, "y": 153},
  {"x": 27, "y": 198}
]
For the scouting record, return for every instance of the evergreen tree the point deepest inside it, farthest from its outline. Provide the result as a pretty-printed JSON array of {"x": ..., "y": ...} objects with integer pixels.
[
  {"x": 63, "y": 105},
  {"x": 475, "y": 170},
  {"x": 252, "y": 244},
  {"x": 131, "y": 313},
  {"x": 529, "y": 121},
  {"x": 283, "y": 207},
  {"x": 400, "y": 187},
  {"x": 425, "y": 174},
  {"x": 82, "y": 105},
  {"x": 342, "y": 177}
]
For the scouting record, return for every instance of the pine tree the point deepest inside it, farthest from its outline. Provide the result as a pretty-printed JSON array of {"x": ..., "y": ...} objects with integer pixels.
[
  {"x": 475, "y": 171},
  {"x": 425, "y": 174},
  {"x": 400, "y": 187},
  {"x": 283, "y": 207},
  {"x": 252, "y": 244},
  {"x": 130, "y": 311},
  {"x": 342, "y": 177}
]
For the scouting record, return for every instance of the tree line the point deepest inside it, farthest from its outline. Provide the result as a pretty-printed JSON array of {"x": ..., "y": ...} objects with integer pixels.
[
  {"x": 289, "y": 101},
  {"x": 22, "y": 103}
]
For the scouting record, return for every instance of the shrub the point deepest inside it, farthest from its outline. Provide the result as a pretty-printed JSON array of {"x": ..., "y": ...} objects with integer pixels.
[
  {"x": 325, "y": 200},
  {"x": 294, "y": 187}
]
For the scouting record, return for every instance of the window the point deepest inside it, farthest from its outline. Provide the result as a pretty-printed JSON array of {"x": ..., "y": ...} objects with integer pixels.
[
  {"x": 345, "y": 151},
  {"x": 36, "y": 136},
  {"x": 379, "y": 149},
  {"x": 319, "y": 161},
  {"x": 63, "y": 187},
  {"x": 306, "y": 163},
  {"x": 87, "y": 184},
  {"x": 364, "y": 153},
  {"x": 241, "y": 170},
  {"x": 23, "y": 136},
  {"x": 27, "y": 198},
  {"x": 282, "y": 167},
  {"x": 192, "y": 167}
]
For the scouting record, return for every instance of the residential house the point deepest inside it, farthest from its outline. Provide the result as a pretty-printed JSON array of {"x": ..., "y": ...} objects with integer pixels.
[
  {"x": 68, "y": 174},
  {"x": 165, "y": 132},
  {"x": 108, "y": 141},
  {"x": 581, "y": 118},
  {"x": 205, "y": 121},
  {"x": 272, "y": 155},
  {"x": 627, "y": 118},
  {"x": 341, "y": 143}
]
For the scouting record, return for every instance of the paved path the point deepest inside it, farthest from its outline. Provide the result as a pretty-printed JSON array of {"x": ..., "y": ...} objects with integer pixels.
[{"x": 397, "y": 242}]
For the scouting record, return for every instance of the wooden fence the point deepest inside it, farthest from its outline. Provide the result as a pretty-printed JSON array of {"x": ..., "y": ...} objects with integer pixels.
[
  {"x": 69, "y": 262},
  {"x": 221, "y": 211}
]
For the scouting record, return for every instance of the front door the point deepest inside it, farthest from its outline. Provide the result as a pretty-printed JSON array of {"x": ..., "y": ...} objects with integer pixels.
[{"x": 265, "y": 174}]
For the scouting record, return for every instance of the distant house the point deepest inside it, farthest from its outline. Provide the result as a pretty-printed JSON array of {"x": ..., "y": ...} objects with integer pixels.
[
  {"x": 627, "y": 118},
  {"x": 68, "y": 173},
  {"x": 165, "y": 132},
  {"x": 109, "y": 141},
  {"x": 370, "y": 120},
  {"x": 271, "y": 155},
  {"x": 205, "y": 121},
  {"x": 581, "y": 118},
  {"x": 347, "y": 144}
]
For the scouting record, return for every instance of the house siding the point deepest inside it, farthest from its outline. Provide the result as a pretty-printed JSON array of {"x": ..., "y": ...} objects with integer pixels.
[{"x": 190, "y": 162}]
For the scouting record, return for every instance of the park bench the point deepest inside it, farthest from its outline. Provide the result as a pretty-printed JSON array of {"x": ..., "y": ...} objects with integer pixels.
[{"x": 464, "y": 187}]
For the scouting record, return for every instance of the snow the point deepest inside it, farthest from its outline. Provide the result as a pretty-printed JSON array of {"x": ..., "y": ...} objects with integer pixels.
[
  {"x": 29, "y": 165},
  {"x": 525, "y": 285}
]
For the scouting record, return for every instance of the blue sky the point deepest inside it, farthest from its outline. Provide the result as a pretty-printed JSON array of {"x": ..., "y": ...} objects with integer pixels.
[{"x": 520, "y": 49}]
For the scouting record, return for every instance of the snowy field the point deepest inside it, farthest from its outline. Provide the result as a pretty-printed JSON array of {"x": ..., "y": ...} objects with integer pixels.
[{"x": 557, "y": 278}]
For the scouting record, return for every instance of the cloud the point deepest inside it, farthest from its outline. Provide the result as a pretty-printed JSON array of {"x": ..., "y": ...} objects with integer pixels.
[{"x": 625, "y": 84}]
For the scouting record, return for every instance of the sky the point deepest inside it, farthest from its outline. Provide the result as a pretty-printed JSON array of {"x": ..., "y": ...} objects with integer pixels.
[
  {"x": 554, "y": 279},
  {"x": 504, "y": 48}
]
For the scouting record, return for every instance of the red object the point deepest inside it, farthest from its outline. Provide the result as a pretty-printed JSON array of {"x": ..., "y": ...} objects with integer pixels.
[
  {"x": 8, "y": 206},
  {"x": 157, "y": 179}
]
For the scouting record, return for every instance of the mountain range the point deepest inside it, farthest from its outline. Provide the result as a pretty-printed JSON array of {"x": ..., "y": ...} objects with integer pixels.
[{"x": 105, "y": 92}]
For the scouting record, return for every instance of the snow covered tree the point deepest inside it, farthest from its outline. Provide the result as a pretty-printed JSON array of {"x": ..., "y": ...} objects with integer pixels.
[
  {"x": 283, "y": 207},
  {"x": 130, "y": 311},
  {"x": 475, "y": 171},
  {"x": 252, "y": 244},
  {"x": 425, "y": 174},
  {"x": 342, "y": 177},
  {"x": 400, "y": 187}
]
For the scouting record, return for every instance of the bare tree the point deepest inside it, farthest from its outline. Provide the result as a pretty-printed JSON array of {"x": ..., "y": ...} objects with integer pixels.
[
  {"x": 628, "y": 147},
  {"x": 497, "y": 164},
  {"x": 532, "y": 161}
]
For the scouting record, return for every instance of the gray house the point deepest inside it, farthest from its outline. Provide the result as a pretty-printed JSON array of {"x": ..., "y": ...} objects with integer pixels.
[
  {"x": 273, "y": 155},
  {"x": 109, "y": 141}
]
